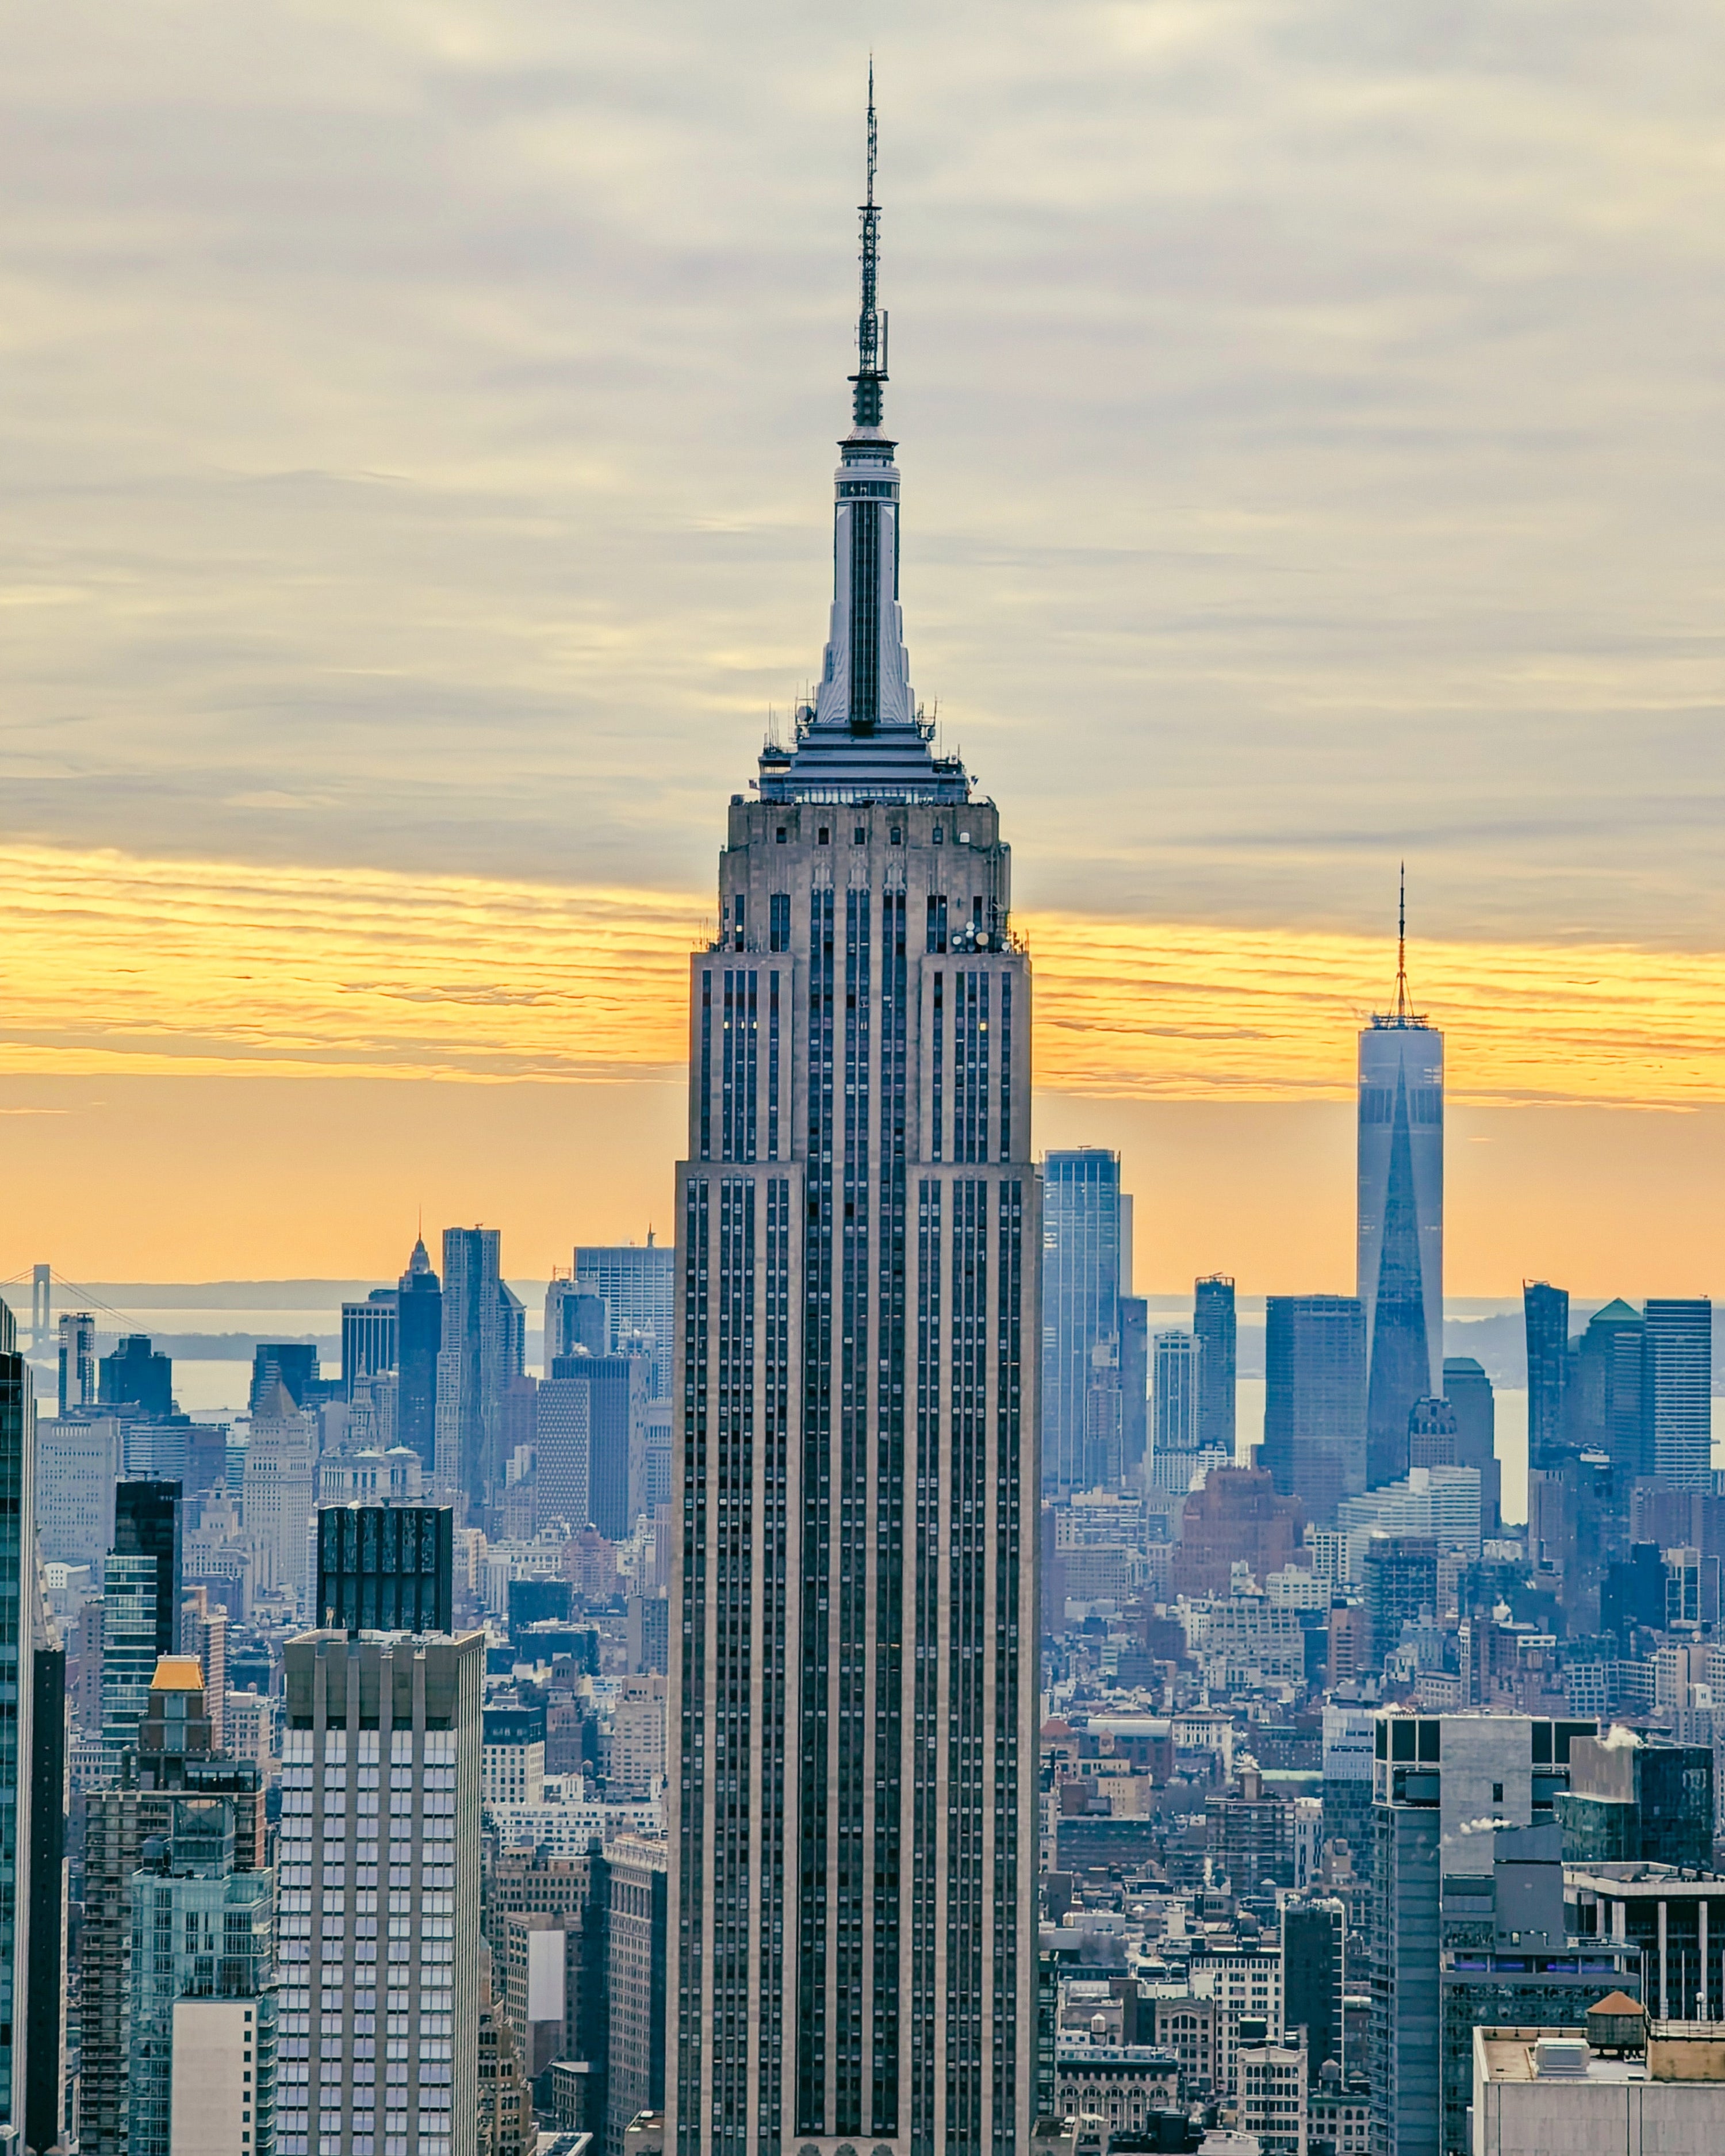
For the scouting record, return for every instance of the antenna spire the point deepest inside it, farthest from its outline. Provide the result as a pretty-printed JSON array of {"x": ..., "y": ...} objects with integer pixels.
[
  {"x": 870, "y": 324},
  {"x": 1402, "y": 1010}
]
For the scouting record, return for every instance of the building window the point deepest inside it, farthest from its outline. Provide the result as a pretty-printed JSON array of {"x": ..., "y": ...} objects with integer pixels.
[
  {"x": 859, "y": 836},
  {"x": 823, "y": 837},
  {"x": 781, "y": 835}
]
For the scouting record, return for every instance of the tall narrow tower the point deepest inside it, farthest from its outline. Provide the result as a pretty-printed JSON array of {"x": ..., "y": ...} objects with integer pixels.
[
  {"x": 1401, "y": 1218},
  {"x": 854, "y": 1627}
]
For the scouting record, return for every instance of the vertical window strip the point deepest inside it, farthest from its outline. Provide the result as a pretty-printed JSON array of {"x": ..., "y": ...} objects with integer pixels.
[
  {"x": 1009, "y": 1647},
  {"x": 966, "y": 1593},
  {"x": 889, "y": 1517},
  {"x": 692, "y": 2101},
  {"x": 728, "y": 1030},
  {"x": 733, "y": 1903},
  {"x": 706, "y": 1066},
  {"x": 1006, "y": 1066},
  {"x": 864, "y": 613},
  {"x": 750, "y": 1067},
  {"x": 813, "y": 1869},
  {"x": 939, "y": 1063},
  {"x": 850, "y": 1877},
  {"x": 924, "y": 2006},
  {"x": 776, "y": 1422},
  {"x": 773, "y": 1065}
]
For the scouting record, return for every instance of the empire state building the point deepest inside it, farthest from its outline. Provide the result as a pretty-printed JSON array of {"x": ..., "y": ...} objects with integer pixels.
[{"x": 853, "y": 1606}]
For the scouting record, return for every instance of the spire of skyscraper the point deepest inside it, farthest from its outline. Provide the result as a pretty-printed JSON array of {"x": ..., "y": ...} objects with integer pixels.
[{"x": 863, "y": 726}]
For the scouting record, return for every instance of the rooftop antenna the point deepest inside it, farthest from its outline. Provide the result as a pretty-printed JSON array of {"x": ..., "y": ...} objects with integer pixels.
[
  {"x": 870, "y": 324},
  {"x": 1404, "y": 1007}
]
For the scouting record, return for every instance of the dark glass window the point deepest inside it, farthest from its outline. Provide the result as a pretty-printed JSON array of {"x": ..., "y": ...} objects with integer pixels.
[
  {"x": 778, "y": 921},
  {"x": 823, "y": 837}
]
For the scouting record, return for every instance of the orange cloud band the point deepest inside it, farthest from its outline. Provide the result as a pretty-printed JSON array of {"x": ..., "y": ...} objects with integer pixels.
[{"x": 117, "y": 965}]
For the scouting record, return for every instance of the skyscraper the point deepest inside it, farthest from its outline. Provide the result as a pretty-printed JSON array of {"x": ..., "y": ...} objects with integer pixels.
[
  {"x": 419, "y": 1336},
  {"x": 19, "y": 1598},
  {"x": 279, "y": 1493},
  {"x": 1135, "y": 1382},
  {"x": 1469, "y": 1392},
  {"x": 136, "y": 1377},
  {"x": 1176, "y": 1389},
  {"x": 854, "y": 1627},
  {"x": 1545, "y": 1314},
  {"x": 387, "y": 1882},
  {"x": 471, "y": 1368},
  {"x": 1677, "y": 1393},
  {"x": 141, "y": 1606},
  {"x": 1401, "y": 1219},
  {"x": 1080, "y": 1292},
  {"x": 638, "y": 1283},
  {"x": 369, "y": 1335},
  {"x": 1213, "y": 1326},
  {"x": 1315, "y": 1399},
  {"x": 78, "y": 1360}
]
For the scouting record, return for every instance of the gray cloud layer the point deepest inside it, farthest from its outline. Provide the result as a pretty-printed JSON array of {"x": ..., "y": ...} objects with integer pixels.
[{"x": 417, "y": 422}]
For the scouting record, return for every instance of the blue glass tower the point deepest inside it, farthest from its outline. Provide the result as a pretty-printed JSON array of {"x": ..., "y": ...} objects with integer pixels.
[{"x": 1401, "y": 1221}]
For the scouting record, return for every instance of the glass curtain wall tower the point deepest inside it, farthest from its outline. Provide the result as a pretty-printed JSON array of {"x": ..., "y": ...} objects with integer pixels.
[
  {"x": 854, "y": 1613},
  {"x": 1401, "y": 1219}
]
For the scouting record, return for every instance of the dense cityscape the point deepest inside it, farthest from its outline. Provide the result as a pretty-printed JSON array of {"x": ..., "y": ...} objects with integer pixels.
[{"x": 847, "y": 1679}]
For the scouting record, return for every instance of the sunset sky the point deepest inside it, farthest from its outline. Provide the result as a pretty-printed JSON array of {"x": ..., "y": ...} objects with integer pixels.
[{"x": 417, "y": 425}]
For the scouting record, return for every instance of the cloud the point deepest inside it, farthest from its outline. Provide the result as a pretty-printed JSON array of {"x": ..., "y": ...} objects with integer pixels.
[
  {"x": 127, "y": 964},
  {"x": 419, "y": 420}
]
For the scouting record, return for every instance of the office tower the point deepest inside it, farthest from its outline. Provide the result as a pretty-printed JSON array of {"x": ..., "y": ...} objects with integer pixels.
[
  {"x": 48, "y": 1888},
  {"x": 1081, "y": 1302},
  {"x": 1348, "y": 1738},
  {"x": 616, "y": 1441},
  {"x": 1604, "y": 1402},
  {"x": 638, "y": 1729},
  {"x": 1401, "y": 1218},
  {"x": 135, "y": 1377},
  {"x": 577, "y": 1320},
  {"x": 853, "y": 1638},
  {"x": 1314, "y": 1934},
  {"x": 637, "y": 1283},
  {"x": 1442, "y": 1502},
  {"x": 293, "y": 1363},
  {"x": 512, "y": 1756},
  {"x": 1213, "y": 1328},
  {"x": 1546, "y": 1316},
  {"x": 41, "y": 1307},
  {"x": 1446, "y": 1787},
  {"x": 19, "y": 1596},
  {"x": 201, "y": 2005},
  {"x": 279, "y": 1493},
  {"x": 471, "y": 1368},
  {"x": 78, "y": 1460},
  {"x": 369, "y": 1336},
  {"x": 203, "y": 1632},
  {"x": 172, "y": 1763},
  {"x": 1677, "y": 1390},
  {"x": 1177, "y": 1376},
  {"x": 387, "y": 2004},
  {"x": 1135, "y": 1383},
  {"x": 419, "y": 1339},
  {"x": 386, "y": 1568},
  {"x": 1236, "y": 1518},
  {"x": 1398, "y": 1577},
  {"x": 1315, "y": 1399},
  {"x": 78, "y": 1360},
  {"x": 505, "y": 2124},
  {"x": 142, "y": 1592},
  {"x": 635, "y": 1963},
  {"x": 1474, "y": 1405},
  {"x": 648, "y": 1636},
  {"x": 1635, "y": 1801}
]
